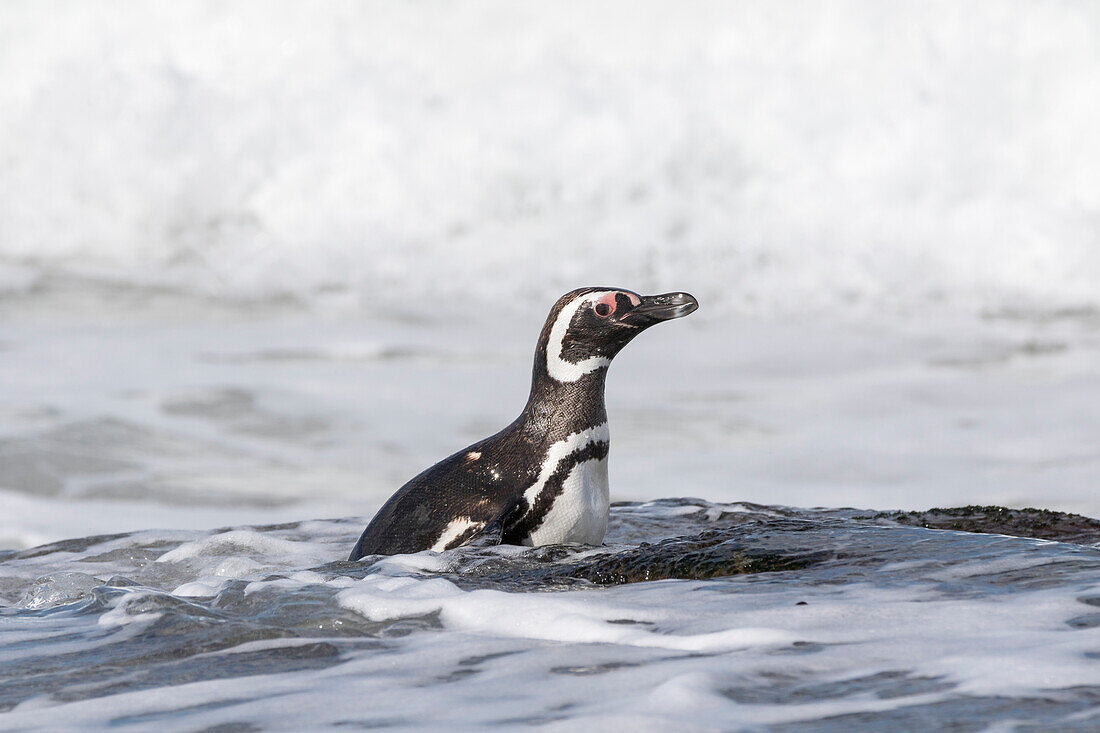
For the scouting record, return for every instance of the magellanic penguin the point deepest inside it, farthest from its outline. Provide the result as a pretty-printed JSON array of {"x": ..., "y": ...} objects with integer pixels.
[{"x": 543, "y": 479}]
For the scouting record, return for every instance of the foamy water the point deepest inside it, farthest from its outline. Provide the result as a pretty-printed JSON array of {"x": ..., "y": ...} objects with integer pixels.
[
  {"x": 767, "y": 157},
  {"x": 267, "y": 627}
]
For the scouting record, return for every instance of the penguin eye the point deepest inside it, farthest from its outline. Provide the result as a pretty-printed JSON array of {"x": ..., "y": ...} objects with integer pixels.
[{"x": 603, "y": 310}]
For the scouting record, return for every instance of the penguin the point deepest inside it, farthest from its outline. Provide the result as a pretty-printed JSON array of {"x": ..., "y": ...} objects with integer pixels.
[{"x": 543, "y": 479}]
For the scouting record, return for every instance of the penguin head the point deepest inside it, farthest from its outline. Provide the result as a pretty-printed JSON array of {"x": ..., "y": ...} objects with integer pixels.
[{"x": 587, "y": 327}]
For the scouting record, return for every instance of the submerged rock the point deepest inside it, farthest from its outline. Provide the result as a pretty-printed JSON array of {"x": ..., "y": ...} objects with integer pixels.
[
  {"x": 745, "y": 545},
  {"x": 712, "y": 554}
]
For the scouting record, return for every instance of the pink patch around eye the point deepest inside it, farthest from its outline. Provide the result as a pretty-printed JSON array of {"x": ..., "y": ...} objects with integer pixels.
[{"x": 608, "y": 303}]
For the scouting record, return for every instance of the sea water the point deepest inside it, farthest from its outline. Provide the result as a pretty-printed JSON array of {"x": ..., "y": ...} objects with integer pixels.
[
  {"x": 261, "y": 264},
  {"x": 860, "y": 624},
  {"x": 196, "y": 462}
]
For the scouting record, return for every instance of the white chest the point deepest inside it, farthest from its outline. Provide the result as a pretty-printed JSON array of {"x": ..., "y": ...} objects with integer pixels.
[
  {"x": 579, "y": 513},
  {"x": 578, "y": 505}
]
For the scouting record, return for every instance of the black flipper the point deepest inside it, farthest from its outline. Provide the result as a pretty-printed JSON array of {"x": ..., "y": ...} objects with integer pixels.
[{"x": 494, "y": 532}]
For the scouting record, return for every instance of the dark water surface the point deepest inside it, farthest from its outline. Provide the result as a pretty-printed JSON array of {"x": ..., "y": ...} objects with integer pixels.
[{"x": 694, "y": 615}]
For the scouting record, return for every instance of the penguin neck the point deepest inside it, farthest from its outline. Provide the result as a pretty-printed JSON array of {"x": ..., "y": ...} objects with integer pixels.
[{"x": 555, "y": 409}]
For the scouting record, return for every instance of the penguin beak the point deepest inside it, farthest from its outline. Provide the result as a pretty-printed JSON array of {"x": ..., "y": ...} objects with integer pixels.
[{"x": 656, "y": 308}]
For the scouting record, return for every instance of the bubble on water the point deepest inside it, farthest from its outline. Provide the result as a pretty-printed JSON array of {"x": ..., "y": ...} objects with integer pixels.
[{"x": 59, "y": 589}]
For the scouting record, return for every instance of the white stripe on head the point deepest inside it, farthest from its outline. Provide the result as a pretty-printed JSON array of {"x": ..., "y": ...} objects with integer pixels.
[{"x": 566, "y": 371}]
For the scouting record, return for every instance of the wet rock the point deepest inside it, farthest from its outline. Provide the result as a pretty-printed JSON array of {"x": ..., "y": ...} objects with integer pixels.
[
  {"x": 712, "y": 554},
  {"x": 1037, "y": 523},
  {"x": 760, "y": 546}
]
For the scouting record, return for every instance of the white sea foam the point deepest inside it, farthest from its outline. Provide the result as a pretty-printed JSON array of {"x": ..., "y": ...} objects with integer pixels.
[
  {"x": 560, "y": 617},
  {"x": 769, "y": 157},
  {"x": 237, "y": 542},
  {"x": 122, "y": 614}
]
